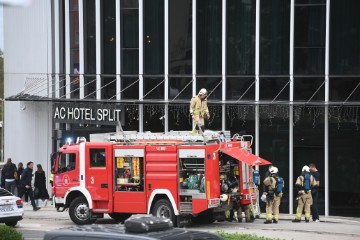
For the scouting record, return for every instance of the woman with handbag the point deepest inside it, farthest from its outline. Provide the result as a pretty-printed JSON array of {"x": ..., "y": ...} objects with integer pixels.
[{"x": 40, "y": 191}]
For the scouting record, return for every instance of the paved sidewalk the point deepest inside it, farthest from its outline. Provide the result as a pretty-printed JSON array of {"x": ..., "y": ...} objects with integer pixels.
[
  {"x": 330, "y": 228},
  {"x": 49, "y": 212}
]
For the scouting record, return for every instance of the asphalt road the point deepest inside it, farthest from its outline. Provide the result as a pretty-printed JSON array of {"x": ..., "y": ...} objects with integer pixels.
[{"x": 35, "y": 224}]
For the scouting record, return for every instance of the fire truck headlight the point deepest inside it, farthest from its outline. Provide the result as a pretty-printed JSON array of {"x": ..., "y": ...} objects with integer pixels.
[{"x": 69, "y": 140}]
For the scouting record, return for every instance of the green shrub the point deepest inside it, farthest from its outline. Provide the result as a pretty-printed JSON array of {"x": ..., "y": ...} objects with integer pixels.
[
  {"x": 10, "y": 233},
  {"x": 242, "y": 236}
]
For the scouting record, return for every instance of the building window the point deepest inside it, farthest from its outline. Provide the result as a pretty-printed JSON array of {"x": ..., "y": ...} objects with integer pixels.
[
  {"x": 309, "y": 38},
  {"x": 208, "y": 37},
  {"x": 344, "y": 37},
  {"x": 274, "y": 88},
  {"x": 89, "y": 37},
  {"x": 240, "y": 88},
  {"x": 129, "y": 37},
  {"x": 274, "y": 37},
  {"x": 154, "y": 36},
  {"x": 240, "y": 37},
  {"x": 180, "y": 37}
]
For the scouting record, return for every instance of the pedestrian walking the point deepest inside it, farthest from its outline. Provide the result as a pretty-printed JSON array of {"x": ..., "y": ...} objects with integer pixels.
[
  {"x": 20, "y": 170},
  {"x": 9, "y": 176},
  {"x": 315, "y": 192},
  {"x": 273, "y": 186},
  {"x": 40, "y": 186},
  {"x": 304, "y": 183},
  {"x": 25, "y": 184},
  {"x": 199, "y": 111}
]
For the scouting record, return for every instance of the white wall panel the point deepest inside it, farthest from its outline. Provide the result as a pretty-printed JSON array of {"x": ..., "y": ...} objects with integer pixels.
[{"x": 28, "y": 55}]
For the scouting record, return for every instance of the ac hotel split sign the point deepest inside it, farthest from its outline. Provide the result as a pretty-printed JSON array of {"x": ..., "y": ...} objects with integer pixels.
[{"x": 86, "y": 113}]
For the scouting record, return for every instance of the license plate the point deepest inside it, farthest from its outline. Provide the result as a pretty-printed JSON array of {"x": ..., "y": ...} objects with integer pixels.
[{"x": 6, "y": 208}]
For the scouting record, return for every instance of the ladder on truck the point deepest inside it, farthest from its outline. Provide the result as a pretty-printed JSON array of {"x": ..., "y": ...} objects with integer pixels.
[
  {"x": 253, "y": 188},
  {"x": 254, "y": 199},
  {"x": 185, "y": 137}
]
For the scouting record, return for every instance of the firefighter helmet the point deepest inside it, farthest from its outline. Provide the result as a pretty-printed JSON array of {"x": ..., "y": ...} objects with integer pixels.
[
  {"x": 306, "y": 169},
  {"x": 203, "y": 92},
  {"x": 223, "y": 197},
  {"x": 273, "y": 170}
]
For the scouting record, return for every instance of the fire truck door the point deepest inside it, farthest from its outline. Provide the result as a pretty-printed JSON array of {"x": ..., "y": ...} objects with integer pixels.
[
  {"x": 129, "y": 195},
  {"x": 96, "y": 177}
]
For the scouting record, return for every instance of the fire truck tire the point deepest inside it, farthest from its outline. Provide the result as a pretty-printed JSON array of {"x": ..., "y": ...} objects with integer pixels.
[
  {"x": 120, "y": 217},
  {"x": 80, "y": 212},
  {"x": 163, "y": 208}
]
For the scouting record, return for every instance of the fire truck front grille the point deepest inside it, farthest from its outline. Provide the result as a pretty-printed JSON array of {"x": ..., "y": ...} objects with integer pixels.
[{"x": 185, "y": 207}]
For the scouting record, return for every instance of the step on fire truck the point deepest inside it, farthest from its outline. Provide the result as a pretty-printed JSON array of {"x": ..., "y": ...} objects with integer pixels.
[{"x": 174, "y": 175}]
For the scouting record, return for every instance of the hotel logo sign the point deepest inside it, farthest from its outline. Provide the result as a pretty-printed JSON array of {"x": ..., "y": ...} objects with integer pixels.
[{"x": 107, "y": 114}]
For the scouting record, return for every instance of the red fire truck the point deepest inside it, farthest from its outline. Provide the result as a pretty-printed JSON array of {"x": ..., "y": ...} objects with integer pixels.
[{"x": 174, "y": 175}]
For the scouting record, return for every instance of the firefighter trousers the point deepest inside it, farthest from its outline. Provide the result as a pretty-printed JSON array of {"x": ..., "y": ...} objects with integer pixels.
[
  {"x": 272, "y": 208},
  {"x": 197, "y": 120},
  {"x": 247, "y": 210},
  {"x": 304, "y": 204}
]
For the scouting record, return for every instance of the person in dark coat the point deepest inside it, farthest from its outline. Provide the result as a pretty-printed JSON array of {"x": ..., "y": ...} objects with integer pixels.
[
  {"x": 40, "y": 184},
  {"x": 19, "y": 171},
  {"x": 8, "y": 180},
  {"x": 25, "y": 184}
]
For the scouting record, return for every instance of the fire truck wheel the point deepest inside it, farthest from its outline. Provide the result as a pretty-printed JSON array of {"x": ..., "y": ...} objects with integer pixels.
[
  {"x": 163, "y": 208},
  {"x": 79, "y": 211},
  {"x": 120, "y": 217}
]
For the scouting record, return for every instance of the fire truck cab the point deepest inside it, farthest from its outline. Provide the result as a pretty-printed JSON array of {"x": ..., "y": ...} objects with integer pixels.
[{"x": 174, "y": 175}]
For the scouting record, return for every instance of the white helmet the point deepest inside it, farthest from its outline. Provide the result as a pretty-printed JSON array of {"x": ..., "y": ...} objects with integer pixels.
[
  {"x": 273, "y": 170},
  {"x": 223, "y": 197},
  {"x": 306, "y": 169},
  {"x": 203, "y": 92}
]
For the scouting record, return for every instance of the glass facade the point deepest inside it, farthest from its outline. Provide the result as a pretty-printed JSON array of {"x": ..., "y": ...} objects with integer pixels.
[{"x": 295, "y": 85}]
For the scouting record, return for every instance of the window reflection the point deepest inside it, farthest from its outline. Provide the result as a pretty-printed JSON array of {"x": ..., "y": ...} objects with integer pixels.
[
  {"x": 274, "y": 144},
  {"x": 309, "y": 39},
  {"x": 240, "y": 89},
  {"x": 309, "y": 89},
  {"x": 240, "y": 37},
  {"x": 154, "y": 36},
  {"x": 154, "y": 88},
  {"x": 180, "y": 87},
  {"x": 180, "y": 37},
  {"x": 344, "y": 89},
  {"x": 276, "y": 89},
  {"x": 344, "y": 37},
  {"x": 275, "y": 37},
  {"x": 208, "y": 36},
  {"x": 129, "y": 37},
  {"x": 344, "y": 162},
  {"x": 74, "y": 46}
]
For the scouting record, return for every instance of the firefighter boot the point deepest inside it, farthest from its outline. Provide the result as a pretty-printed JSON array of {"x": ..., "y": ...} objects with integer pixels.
[
  {"x": 296, "y": 220},
  {"x": 268, "y": 222}
]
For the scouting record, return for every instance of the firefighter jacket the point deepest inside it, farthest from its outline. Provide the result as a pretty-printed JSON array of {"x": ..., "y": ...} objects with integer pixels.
[{"x": 198, "y": 107}]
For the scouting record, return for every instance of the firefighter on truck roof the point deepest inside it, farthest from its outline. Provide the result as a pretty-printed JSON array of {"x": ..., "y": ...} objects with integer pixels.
[{"x": 199, "y": 110}]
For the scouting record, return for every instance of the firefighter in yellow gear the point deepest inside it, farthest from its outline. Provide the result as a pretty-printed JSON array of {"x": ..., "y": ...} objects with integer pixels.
[
  {"x": 199, "y": 110},
  {"x": 246, "y": 208},
  {"x": 304, "y": 198},
  {"x": 273, "y": 199}
]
